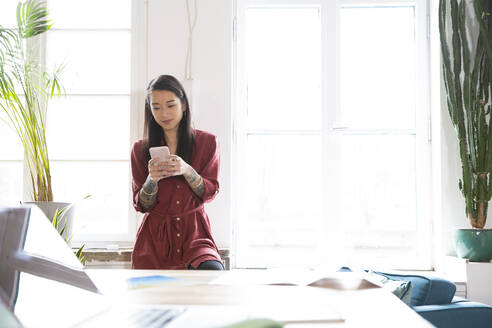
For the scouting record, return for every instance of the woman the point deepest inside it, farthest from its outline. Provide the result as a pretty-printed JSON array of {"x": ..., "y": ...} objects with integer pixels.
[{"x": 175, "y": 231}]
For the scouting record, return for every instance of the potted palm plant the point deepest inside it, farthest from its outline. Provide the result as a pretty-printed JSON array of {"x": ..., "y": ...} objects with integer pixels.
[
  {"x": 465, "y": 28},
  {"x": 26, "y": 86}
]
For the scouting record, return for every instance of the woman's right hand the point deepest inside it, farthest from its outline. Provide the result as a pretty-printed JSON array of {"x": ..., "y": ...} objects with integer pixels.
[{"x": 156, "y": 169}]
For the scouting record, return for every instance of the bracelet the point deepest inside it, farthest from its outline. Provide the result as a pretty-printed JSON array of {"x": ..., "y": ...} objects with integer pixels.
[
  {"x": 196, "y": 184},
  {"x": 143, "y": 190}
]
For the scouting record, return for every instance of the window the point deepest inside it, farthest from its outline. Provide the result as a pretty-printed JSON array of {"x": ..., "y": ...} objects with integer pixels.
[
  {"x": 89, "y": 131},
  {"x": 332, "y": 134}
]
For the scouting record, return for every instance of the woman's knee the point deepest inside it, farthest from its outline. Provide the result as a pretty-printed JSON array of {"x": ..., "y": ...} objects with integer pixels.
[{"x": 209, "y": 265}]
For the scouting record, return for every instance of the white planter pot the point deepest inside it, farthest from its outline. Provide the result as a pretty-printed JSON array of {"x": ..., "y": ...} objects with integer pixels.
[{"x": 476, "y": 275}]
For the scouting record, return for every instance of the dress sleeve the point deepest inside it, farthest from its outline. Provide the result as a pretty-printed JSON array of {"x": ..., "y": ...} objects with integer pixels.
[
  {"x": 139, "y": 174},
  {"x": 210, "y": 171}
]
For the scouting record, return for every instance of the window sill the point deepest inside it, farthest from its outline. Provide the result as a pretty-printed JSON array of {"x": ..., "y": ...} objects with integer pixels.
[{"x": 121, "y": 258}]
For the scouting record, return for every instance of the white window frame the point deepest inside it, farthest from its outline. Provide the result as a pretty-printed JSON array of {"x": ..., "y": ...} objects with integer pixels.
[
  {"x": 331, "y": 99},
  {"x": 138, "y": 82}
]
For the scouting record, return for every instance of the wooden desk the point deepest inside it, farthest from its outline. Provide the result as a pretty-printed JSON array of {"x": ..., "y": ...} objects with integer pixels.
[{"x": 360, "y": 308}]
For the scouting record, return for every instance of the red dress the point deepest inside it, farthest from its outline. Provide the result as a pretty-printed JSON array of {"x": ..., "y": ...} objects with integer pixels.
[{"x": 175, "y": 231}]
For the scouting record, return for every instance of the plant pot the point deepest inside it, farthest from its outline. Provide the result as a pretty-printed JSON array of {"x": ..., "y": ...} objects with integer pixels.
[
  {"x": 474, "y": 244},
  {"x": 49, "y": 209}
]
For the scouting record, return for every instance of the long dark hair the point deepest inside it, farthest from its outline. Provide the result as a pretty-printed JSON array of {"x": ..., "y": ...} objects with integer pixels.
[{"x": 153, "y": 133}]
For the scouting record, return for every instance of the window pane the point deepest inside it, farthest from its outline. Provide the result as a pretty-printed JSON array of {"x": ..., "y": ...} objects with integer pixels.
[
  {"x": 96, "y": 62},
  {"x": 399, "y": 250},
  {"x": 10, "y": 182},
  {"x": 11, "y": 145},
  {"x": 283, "y": 59},
  {"x": 89, "y": 128},
  {"x": 378, "y": 67},
  {"x": 378, "y": 182},
  {"x": 377, "y": 196},
  {"x": 103, "y": 14},
  {"x": 280, "y": 200},
  {"x": 7, "y": 13},
  {"x": 106, "y": 211}
]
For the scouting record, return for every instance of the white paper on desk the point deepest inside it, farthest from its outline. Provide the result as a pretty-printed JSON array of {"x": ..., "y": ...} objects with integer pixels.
[
  {"x": 291, "y": 277},
  {"x": 345, "y": 281}
]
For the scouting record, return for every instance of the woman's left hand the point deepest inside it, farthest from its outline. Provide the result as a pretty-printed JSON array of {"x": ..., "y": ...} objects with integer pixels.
[{"x": 175, "y": 165}]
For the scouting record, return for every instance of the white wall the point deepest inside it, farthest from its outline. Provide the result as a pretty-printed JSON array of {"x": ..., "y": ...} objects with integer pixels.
[{"x": 212, "y": 75}]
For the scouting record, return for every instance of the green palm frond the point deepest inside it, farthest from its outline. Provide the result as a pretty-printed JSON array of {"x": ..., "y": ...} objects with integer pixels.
[
  {"x": 57, "y": 217},
  {"x": 32, "y": 18},
  {"x": 52, "y": 81},
  {"x": 8, "y": 39},
  {"x": 80, "y": 255}
]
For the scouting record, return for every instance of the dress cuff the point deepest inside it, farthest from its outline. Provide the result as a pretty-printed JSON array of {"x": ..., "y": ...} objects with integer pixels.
[
  {"x": 136, "y": 203},
  {"x": 211, "y": 189}
]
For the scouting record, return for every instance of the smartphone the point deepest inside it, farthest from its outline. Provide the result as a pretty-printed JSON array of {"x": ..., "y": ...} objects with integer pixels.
[{"x": 162, "y": 152}]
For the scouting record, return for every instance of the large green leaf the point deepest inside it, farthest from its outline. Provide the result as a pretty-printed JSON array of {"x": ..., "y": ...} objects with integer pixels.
[{"x": 32, "y": 18}]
